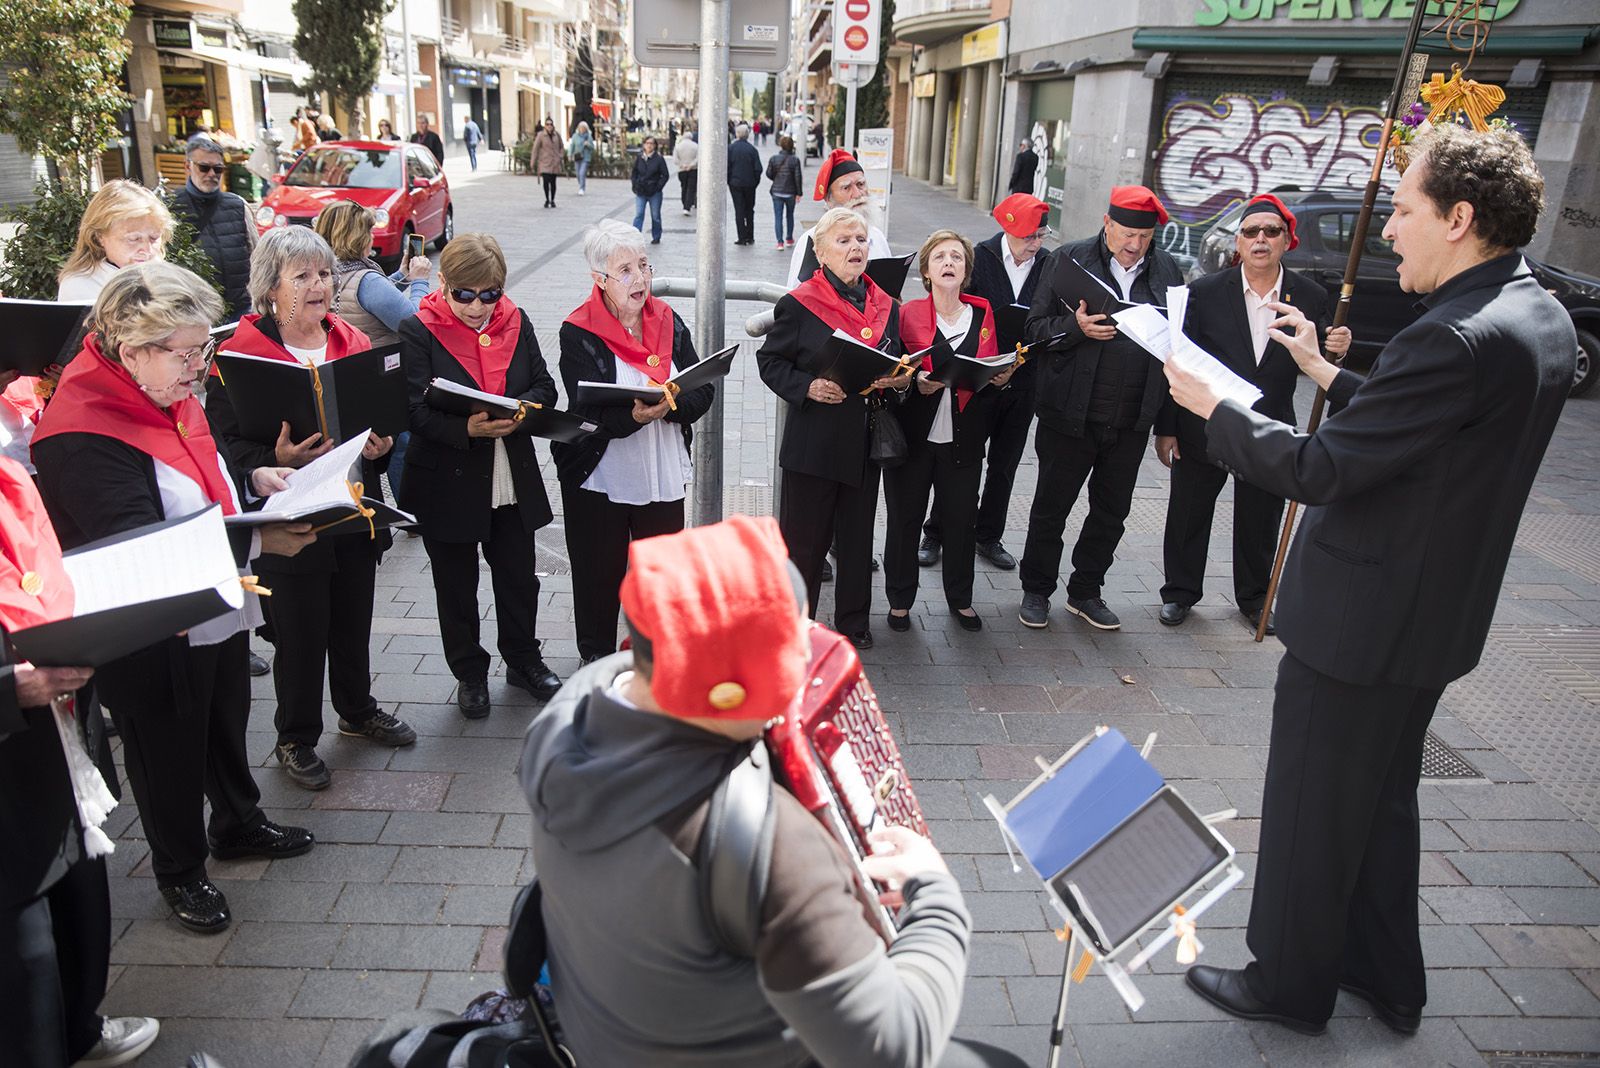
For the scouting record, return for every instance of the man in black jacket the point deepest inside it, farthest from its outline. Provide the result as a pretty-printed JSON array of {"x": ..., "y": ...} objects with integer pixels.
[
  {"x": 1005, "y": 271},
  {"x": 744, "y": 174},
  {"x": 221, "y": 221},
  {"x": 428, "y": 139},
  {"x": 1098, "y": 393},
  {"x": 1414, "y": 493},
  {"x": 1023, "y": 169},
  {"x": 1229, "y": 314}
]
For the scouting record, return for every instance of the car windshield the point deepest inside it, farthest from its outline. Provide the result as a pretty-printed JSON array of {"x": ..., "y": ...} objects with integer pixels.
[{"x": 347, "y": 168}]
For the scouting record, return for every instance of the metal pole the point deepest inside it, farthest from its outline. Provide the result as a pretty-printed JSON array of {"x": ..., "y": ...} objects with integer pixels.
[
  {"x": 405, "y": 51},
  {"x": 850, "y": 116},
  {"x": 710, "y": 301}
]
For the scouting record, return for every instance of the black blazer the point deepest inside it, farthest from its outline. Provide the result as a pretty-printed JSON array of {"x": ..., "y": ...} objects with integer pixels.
[
  {"x": 585, "y": 358},
  {"x": 825, "y": 440},
  {"x": 969, "y": 427},
  {"x": 1217, "y": 322},
  {"x": 1417, "y": 487},
  {"x": 991, "y": 282},
  {"x": 448, "y": 479}
]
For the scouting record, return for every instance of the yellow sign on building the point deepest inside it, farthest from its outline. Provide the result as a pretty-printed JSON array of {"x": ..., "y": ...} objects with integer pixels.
[
  {"x": 984, "y": 45},
  {"x": 925, "y": 85}
]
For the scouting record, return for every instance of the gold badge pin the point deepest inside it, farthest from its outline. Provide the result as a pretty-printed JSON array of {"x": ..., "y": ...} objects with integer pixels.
[
  {"x": 1010, "y": 217},
  {"x": 183, "y": 431},
  {"x": 33, "y": 585},
  {"x": 483, "y": 339},
  {"x": 983, "y": 335},
  {"x": 653, "y": 360},
  {"x": 866, "y": 333},
  {"x": 725, "y": 696}
]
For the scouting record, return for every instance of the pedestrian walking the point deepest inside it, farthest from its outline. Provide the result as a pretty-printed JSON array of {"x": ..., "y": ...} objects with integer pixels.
[
  {"x": 581, "y": 150},
  {"x": 744, "y": 174},
  {"x": 649, "y": 179},
  {"x": 470, "y": 136},
  {"x": 783, "y": 171},
  {"x": 221, "y": 221},
  {"x": 305, "y": 131},
  {"x": 546, "y": 159},
  {"x": 686, "y": 157},
  {"x": 428, "y": 138},
  {"x": 1023, "y": 169}
]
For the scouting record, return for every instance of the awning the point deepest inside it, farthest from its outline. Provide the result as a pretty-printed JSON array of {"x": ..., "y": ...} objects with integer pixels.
[
  {"x": 1551, "y": 41},
  {"x": 250, "y": 61},
  {"x": 395, "y": 84},
  {"x": 534, "y": 85}
]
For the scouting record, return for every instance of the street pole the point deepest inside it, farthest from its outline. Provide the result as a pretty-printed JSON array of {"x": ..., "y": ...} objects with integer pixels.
[
  {"x": 849, "y": 118},
  {"x": 405, "y": 50},
  {"x": 710, "y": 300}
]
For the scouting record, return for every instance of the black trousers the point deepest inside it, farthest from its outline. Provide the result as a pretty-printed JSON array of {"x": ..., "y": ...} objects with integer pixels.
[
  {"x": 1109, "y": 460},
  {"x": 178, "y": 760},
  {"x": 1007, "y": 439},
  {"x": 905, "y": 491},
  {"x": 1336, "y": 880},
  {"x": 598, "y": 534},
  {"x": 323, "y": 620},
  {"x": 1190, "y": 508},
  {"x": 549, "y": 181},
  {"x": 54, "y": 953},
  {"x": 744, "y": 212},
  {"x": 812, "y": 513},
  {"x": 688, "y": 186},
  {"x": 510, "y": 555}
]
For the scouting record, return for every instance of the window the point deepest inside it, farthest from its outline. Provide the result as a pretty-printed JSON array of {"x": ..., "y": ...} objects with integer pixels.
[
  {"x": 423, "y": 165},
  {"x": 1338, "y": 228},
  {"x": 347, "y": 168}
]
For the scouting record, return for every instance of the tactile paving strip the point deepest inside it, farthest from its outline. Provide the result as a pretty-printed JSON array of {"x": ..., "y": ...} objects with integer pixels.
[
  {"x": 1570, "y": 655},
  {"x": 1439, "y": 761},
  {"x": 1571, "y": 542},
  {"x": 1535, "y": 1060}
]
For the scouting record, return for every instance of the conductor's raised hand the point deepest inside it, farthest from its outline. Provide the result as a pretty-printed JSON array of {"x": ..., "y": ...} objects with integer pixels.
[
  {"x": 376, "y": 446},
  {"x": 648, "y": 413},
  {"x": 899, "y": 854},
  {"x": 286, "y": 539},
  {"x": 1094, "y": 327},
  {"x": 37, "y": 686},
  {"x": 479, "y": 425},
  {"x": 1298, "y": 334},
  {"x": 292, "y": 454},
  {"x": 825, "y": 391}
]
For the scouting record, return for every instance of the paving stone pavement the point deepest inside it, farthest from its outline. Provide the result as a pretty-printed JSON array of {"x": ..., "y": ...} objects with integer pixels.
[{"x": 420, "y": 850}]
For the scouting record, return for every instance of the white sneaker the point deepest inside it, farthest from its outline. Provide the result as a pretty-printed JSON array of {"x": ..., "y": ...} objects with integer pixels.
[
  {"x": 686, "y": 211},
  {"x": 583, "y": 192},
  {"x": 122, "y": 1039}
]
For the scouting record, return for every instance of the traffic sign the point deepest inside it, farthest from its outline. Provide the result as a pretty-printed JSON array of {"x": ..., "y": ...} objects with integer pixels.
[
  {"x": 666, "y": 33},
  {"x": 855, "y": 32}
]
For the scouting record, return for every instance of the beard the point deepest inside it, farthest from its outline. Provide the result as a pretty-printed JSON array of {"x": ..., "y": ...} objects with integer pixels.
[{"x": 868, "y": 209}]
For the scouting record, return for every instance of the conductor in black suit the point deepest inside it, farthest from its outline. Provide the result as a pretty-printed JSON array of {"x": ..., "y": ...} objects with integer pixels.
[
  {"x": 1229, "y": 314},
  {"x": 1415, "y": 490}
]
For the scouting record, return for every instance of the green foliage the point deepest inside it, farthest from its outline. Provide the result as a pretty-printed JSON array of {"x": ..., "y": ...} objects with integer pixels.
[
  {"x": 342, "y": 41},
  {"x": 49, "y": 230},
  {"x": 761, "y": 103},
  {"x": 872, "y": 99},
  {"x": 63, "y": 60}
]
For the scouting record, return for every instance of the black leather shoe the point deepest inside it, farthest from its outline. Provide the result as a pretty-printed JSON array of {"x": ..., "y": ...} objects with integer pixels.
[
  {"x": 996, "y": 554},
  {"x": 927, "y": 552},
  {"x": 473, "y": 699},
  {"x": 1095, "y": 612},
  {"x": 1035, "y": 611},
  {"x": 1253, "y": 615},
  {"x": 536, "y": 678},
  {"x": 266, "y": 839},
  {"x": 259, "y": 666},
  {"x": 1173, "y": 613},
  {"x": 861, "y": 639},
  {"x": 827, "y": 570},
  {"x": 970, "y": 623},
  {"x": 199, "y": 906},
  {"x": 900, "y": 623},
  {"x": 1401, "y": 1018},
  {"x": 1225, "y": 988}
]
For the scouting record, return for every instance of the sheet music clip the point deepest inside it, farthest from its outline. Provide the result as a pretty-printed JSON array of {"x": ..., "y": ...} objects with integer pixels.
[{"x": 1120, "y": 853}]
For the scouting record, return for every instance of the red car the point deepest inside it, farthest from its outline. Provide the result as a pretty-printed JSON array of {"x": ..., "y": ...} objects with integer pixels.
[{"x": 402, "y": 183}]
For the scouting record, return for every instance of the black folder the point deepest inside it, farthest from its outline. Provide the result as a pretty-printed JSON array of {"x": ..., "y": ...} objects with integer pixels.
[
  {"x": 855, "y": 365},
  {"x": 965, "y": 372},
  {"x": 1073, "y": 282},
  {"x": 716, "y": 366},
  {"x": 360, "y": 391},
  {"x": 338, "y": 518},
  {"x": 39, "y": 333},
  {"x": 889, "y": 272},
  {"x": 1011, "y": 320},
  {"x": 541, "y": 422}
]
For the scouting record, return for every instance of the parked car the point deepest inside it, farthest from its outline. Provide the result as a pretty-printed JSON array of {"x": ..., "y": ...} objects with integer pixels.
[
  {"x": 402, "y": 183},
  {"x": 1379, "y": 309}
]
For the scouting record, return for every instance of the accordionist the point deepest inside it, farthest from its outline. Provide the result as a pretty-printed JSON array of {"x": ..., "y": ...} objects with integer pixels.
[{"x": 622, "y": 770}]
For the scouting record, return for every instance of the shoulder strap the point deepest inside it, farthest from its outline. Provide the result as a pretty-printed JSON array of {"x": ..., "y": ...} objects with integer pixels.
[{"x": 735, "y": 854}]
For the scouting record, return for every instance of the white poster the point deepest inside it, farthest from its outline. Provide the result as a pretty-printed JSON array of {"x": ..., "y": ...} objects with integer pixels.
[{"x": 875, "y": 152}]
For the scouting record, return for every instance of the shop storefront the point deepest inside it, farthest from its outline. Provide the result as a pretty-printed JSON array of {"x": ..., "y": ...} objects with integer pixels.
[{"x": 473, "y": 91}]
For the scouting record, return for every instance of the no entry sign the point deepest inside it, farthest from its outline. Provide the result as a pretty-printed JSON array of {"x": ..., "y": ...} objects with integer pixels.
[{"x": 855, "y": 31}]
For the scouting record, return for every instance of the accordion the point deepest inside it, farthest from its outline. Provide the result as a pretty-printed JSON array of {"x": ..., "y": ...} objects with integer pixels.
[{"x": 835, "y": 753}]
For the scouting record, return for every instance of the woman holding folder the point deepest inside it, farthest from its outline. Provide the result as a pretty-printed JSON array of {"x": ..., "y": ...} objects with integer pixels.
[
  {"x": 830, "y": 484},
  {"x": 321, "y": 607},
  {"x": 125, "y": 443},
  {"x": 473, "y": 481},
  {"x": 945, "y": 430},
  {"x": 627, "y": 481}
]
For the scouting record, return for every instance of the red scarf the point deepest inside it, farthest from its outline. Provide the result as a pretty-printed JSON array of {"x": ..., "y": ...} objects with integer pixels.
[
  {"x": 98, "y": 396},
  {"x": 34, "y": 587},
  {"x": 824, "y": 301},
  {"x": 485, "y": 356},
  {"x": 249, "y": 340},
  {"x": 651, "y": 352},
  {"x": 919, "y": 328},
  {"x": 22, "y": 397}
]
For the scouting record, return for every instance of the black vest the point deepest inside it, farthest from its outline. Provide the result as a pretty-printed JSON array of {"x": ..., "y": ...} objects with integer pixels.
[
  {"x": 1119, "y": 381},
  {"x": 220, "y": 225}
]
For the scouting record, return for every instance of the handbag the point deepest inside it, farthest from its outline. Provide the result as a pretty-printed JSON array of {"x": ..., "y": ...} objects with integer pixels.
[{"x": 887, "y": 445}]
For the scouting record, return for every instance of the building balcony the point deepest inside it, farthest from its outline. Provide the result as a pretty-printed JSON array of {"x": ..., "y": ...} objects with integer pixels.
[{"x": 927, "y": 22}]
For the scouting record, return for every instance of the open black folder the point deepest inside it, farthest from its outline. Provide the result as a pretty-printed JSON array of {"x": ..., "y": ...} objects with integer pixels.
[
  {"x": 708, "y": 370},
  {"x": 137, "y": 588},
  {"x": 855, "y": 365},
  {"x": 1073, "y": 282},
  {"x": 1011, "y": 320},
  {"x": 39, "y": 333},
  {"x": 541, "y": 422},
  {"x": 965, "y": 372},
  {"x": 889, "y": 272},
  {"x": 365, "y": 390},
  {"x": 328, "y": 494}
]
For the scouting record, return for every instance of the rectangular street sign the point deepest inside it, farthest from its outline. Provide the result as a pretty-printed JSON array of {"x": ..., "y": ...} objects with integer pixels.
[{"x": 666, "y": 33}]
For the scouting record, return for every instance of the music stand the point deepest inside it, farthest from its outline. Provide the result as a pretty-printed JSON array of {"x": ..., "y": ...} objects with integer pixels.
[{"x": 1119, "y": 852}]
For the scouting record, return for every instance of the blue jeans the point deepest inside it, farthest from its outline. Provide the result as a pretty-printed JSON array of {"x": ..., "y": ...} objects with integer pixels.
[
  {"x": 783, "y": 207},
  {"x": 397, "y": 461},
  {"x": 472, "y": 154},
  {"x": 583, "y": 174},
  {"x": 654, "y": 200}
]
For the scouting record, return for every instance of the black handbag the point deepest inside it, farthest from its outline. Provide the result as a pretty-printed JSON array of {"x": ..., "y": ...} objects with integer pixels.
[{"x": 886, "y": 438}]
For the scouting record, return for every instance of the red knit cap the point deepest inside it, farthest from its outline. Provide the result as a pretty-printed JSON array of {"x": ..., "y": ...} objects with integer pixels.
[
  {"x": 838, "y": 164},
  {"x": 1136, "y": 207},
  {"x": 1021, "y": 214},
  {"x": 718, "y": 608},
  {"x": 1268, "y": 202}
]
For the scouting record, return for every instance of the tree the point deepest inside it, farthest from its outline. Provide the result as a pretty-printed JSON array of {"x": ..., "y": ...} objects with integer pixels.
[
  {"x": 872, "y": 99},
  {"x": 342, "y": 41},
  {"x": 63, "y": 61}
]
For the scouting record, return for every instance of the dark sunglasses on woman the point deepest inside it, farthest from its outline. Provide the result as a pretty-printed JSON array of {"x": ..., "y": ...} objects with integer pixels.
[{"x": 487, "y": 296}]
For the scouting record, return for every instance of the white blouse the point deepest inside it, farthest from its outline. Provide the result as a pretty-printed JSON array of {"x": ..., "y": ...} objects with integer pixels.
[
  {"x": 943, "y": 431},
  {"x": 86, "y": 285},
  {"x": 647, "y": 466}
]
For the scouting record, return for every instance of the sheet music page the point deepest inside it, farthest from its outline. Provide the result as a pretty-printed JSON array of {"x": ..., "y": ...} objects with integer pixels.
[
  {"x": 446, "y": 386},
  {"x": 1177, "y": 305},
  {"x": 321, "y": 482},
  {"x": 1146, "y": 324},
  {"x": 1149, "y": 327},
  {"x": 189, "y": 555}
]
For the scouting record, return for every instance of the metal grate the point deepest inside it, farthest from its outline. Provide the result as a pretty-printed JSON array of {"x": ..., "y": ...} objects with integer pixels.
[{"x": 1439, "y": 761}]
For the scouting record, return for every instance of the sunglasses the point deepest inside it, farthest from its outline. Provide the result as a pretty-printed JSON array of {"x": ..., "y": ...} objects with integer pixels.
[
  {"x": 487, "y": 296},
  {"x": 210, "y": 168},
  {"x": 1253, "y": 232}
]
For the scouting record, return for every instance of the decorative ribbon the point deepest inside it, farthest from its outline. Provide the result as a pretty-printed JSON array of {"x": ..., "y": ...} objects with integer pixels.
[
  {"x": 902, "y": 368},
  {"x": 1477, "y": 100},
  {"x": 356, "y": 490},
  {"x": 322, "y": 412},
  {"x": 669, "y": 392},
  {"x": 1188, "y": 943}
]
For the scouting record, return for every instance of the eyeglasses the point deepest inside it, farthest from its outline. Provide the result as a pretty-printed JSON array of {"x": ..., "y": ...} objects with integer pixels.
[
  {"x": 491, "y": 295},
  {"x": 209, "y": 168},
  {"x": 1254, "y": 232},
  {"x": 627, "y": 277},
  {"x": 205, "y": 353},
  {"x": 306, "y": 278}
]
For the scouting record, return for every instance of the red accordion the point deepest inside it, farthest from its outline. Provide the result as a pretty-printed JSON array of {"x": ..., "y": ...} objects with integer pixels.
[{"x": 835, "y": 753}]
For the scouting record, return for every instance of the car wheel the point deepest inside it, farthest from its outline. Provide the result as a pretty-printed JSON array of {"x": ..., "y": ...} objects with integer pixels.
[
  {"x": 449, "y": 231},
  {"x": 1588, "y": 364}
]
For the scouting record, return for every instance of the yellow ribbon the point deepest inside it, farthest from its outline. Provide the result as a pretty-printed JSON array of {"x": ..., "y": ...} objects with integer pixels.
[
  {"x": 356, "y": 490},
  {"x": 253, "y": 585},
  {"x": 669, "y": 393},
  {"x": 1477, "y": 100},
  {"x": 902, "y": 368}
]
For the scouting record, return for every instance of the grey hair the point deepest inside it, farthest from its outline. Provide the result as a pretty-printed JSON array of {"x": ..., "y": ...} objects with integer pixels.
[
  {"x": 834, "y": 218},
  {"x": 277, "y": 250},
  {"x": 742, "y": 131},
  {"x": 146, "y": 303},
  {"x": 603, "y": 240},
  {"x": 203, "y": 144}
]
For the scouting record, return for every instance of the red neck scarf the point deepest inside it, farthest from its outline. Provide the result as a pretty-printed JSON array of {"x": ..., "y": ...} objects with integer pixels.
[
  {"x": 484, "y": 356},
  {"x": 250, "y": 340},
  {"x": 34, "y": 587},
  {"x": 98, "y": 396},
  {"x": 919, "y": 328},
  {"x": 651, "y": 352},
  {"x": 824, "y": 301}
]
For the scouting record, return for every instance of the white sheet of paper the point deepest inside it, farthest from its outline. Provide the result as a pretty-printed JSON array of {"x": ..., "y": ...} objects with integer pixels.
[
  {"x": 321, "y": 482},
  {"x": 1150, "y": 328},
  {"x": 192, "y": 554}
]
